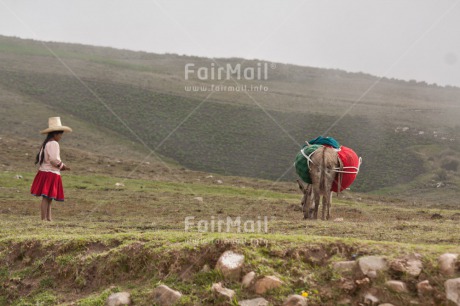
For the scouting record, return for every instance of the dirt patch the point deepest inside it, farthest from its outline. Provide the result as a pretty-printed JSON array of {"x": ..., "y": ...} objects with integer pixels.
[
  {"x": 317, "y": 255},
  {"x": 26, "y": 252},
  {"x": 97, "y": 247}
]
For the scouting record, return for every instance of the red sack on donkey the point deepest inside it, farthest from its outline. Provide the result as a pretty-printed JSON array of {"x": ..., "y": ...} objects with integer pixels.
[{"x": 349, "y": 170}]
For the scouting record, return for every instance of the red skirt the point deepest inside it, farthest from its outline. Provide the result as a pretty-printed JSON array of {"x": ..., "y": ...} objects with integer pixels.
[{"x": 48, "y": 185}]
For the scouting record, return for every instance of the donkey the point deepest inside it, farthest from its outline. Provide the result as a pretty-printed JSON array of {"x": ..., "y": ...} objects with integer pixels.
[{"x": 323, "y": 164}]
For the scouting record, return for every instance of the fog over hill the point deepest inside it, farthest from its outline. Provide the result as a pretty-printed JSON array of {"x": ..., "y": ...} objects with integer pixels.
[
  {"x": 187, "y": 119},
  {"x": 406, "y": 132}
]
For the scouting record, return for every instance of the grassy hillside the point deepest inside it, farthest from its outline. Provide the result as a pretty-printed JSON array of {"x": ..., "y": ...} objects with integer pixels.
[
  {"x": 229, "y": 133},
  {"x": 131, "y": 237},
  {"x": 122, "y": 226}
]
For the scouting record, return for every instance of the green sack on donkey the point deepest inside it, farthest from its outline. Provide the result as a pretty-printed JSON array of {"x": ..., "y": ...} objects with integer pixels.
[{"x": 301, "y": 162}]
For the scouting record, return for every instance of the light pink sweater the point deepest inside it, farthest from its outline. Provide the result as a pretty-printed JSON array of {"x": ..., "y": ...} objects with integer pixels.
[{"x": 52, "y": 161}]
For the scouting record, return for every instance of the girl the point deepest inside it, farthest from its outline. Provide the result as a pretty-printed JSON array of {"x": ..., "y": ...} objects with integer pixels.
[{"x": 47, "y": 182}]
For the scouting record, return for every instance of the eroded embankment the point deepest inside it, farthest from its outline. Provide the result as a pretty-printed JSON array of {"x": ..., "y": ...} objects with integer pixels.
[{"x": 85, "y": 270}]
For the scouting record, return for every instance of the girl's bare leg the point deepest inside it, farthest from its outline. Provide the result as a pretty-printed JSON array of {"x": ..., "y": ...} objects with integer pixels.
[
  {"x": 48, "y": 210},
  {"x": 44, "y": 208}
]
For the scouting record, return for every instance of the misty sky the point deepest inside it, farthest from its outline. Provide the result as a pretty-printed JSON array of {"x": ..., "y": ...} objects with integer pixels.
[{"x": 405, "y": 39}]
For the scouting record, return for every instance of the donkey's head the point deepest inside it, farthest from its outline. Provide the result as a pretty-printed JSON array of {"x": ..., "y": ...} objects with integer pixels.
[{"x": 307, "y": 200}]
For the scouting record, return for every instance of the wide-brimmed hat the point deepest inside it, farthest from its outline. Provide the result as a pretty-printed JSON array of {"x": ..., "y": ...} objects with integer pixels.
[{"x": 54, "y": 125}]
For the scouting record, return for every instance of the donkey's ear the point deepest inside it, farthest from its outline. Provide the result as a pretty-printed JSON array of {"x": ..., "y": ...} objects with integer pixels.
[{"x": 301, "y": 186}]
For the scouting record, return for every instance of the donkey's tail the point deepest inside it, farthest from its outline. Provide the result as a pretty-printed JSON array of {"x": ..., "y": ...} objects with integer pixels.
[{"x": 322, "y": 178}]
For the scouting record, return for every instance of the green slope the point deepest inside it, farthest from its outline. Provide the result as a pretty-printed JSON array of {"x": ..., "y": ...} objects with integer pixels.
[
  {"x": 105, "y": 239},
  {"x": 229, "y": 133}
]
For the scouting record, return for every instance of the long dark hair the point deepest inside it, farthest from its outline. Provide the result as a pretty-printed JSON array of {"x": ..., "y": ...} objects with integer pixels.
[{"x": 40, "y": 157}]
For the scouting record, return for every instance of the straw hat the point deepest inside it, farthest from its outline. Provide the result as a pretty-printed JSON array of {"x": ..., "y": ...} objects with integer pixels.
[{"x": 54, "y": 124}]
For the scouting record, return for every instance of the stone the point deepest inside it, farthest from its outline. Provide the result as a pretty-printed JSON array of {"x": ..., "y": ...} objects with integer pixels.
[
  {"x": 370, "y": 299},
  {"x": 453, "y": 290},
  {"x": 424, "y": 288},
  {"x": 231, "y": 265},
  {"x": 206, "y": 268},
  {"x": 186, "y": 275},
  {"x": 165, "y": 296},
  {"x": 118, "y": 299},
  {"x": 372, "y": 274},
  {"x": 447, "y": 263},
  {"x": 295, "y": 300},
  {"x": 363, "y": 282},
  {"x": 411, "y": 265},
  {"x": 347, "y": 284},
  {"x": 267, "y": 283},
  {"x": 386, "y": 304},
  {"x": 254, "y": 302},
  {"x": 397, "y": 286},
  {"x": 220, "y": 290},
  {"x": 344, "y": 302},
  {"x": 199, "y": 199},
  {"x": 249, "y": 279},
  {"x": 372, "y": 263},
  {"x": 344, "y": 266}
]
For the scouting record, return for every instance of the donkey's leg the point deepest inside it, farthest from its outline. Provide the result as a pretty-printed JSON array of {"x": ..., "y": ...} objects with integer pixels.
[
  {"x": 317, "y": 198},
  {"x": 308, "y": 202},
  {"x": 305, "y": 205},
  {"x": 329, "y": 206},
  {"x": 311, "y": 207},
  {"x": 324, "y": 207}
]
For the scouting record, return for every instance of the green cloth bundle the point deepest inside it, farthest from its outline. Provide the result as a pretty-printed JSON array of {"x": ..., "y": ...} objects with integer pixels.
[{"x": 301, "y": 162}]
